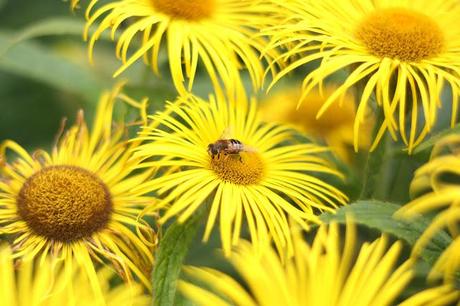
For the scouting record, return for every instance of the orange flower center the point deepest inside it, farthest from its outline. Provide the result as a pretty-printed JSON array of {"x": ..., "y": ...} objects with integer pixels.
[
  {"x": 402, "y": 34},
  {"x": 64, "y": 203},
  {"x": 186, "y": 9},
  {"x": 245, "y": 168}
]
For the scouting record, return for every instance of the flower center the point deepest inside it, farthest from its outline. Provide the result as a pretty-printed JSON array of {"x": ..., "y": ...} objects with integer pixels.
[
  {"x": 64, "y": 203},
  {"x": 401, "y": 34},
  {"x": 186, "y": 9},
  {"x": 246, "y": 168}
]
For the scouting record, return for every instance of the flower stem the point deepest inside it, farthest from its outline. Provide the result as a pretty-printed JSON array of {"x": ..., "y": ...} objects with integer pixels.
[{"x": 374, "y": 163}]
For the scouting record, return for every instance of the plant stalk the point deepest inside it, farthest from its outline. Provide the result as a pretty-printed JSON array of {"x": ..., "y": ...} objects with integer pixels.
[{"x": 375, "y": 161}]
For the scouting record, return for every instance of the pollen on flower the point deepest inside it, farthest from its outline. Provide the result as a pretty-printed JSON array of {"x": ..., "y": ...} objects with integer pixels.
[
  {"x": 246, "y": 168},
  {"x": 64, "y": 203},
  {"x": 402, "y": 34},
  {"x": 186, "y": 9}
]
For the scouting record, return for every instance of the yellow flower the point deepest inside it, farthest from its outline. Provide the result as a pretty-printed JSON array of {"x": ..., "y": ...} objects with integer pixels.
[
  {"x": 403, "y": 52},
  {"x": 77, "y": 202},
  {"x": 219, "y": 34},
  {"x": 335, "y": 127},
  {"x": 268, "y": 181},
  {"x": 47, "y": 283},
  {"x": 439, "y": 180},
  {"x": 325, "y": 273}
]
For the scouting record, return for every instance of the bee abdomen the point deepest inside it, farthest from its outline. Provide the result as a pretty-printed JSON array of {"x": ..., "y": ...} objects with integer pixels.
[{"x": 235, "y": 141}]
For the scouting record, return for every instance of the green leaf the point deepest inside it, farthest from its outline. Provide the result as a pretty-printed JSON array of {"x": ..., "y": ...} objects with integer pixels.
[
  {"x": 42, "y": 64},
  {"x": 53, "y": 26},
  {"x": 428, "y": 144},
  {"x": 183, "y": 301},
  {"x": 379, "y": 215},
  {"x": 171, "y": 253},
  {"x": 50, "y": 26}
]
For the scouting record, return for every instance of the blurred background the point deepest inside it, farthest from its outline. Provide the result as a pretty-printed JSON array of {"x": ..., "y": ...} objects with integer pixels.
[{"x": 45, "y": 74}]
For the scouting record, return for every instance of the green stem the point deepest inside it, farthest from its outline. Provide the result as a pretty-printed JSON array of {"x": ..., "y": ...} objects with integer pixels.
[{"x": 372, "y": 172}]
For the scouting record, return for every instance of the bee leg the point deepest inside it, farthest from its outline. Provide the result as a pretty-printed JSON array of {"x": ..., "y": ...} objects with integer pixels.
[{"x": 241, "y": 160}]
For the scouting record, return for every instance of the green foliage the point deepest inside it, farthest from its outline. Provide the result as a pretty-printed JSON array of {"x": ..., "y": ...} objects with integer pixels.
[
  {"x": 379, "y": 216},
  {"x": 171, "y": 253},
  {"x": 47, "y": 27},
  {"x": 41, "y": 64},
  {"x": 430, "y": 142}
]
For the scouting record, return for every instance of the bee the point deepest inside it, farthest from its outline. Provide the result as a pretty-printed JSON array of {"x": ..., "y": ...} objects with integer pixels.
[
  {"x": 228, "y": 146},
  {"x": 225, "y": 146}
]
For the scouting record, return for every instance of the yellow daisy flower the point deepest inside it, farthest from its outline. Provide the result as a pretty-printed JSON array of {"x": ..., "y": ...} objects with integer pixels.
[
  {"x": 335, "y": 127},
  {"x": 47, "y": 283},
  {"x": 440, "y": 177},
  {"x": 264, "y": 181},
  {"x": 403, "y": 52},
  {"x": 220, "y": 34},
  {"x": 325, "y": 273},
  {"x": 77, "y": 201}
]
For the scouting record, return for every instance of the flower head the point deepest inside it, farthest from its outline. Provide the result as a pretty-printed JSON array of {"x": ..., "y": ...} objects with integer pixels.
[
  {"x": 76, "y": 202},
  {"x": 335, "y": 127},
  {"x": 219, "y": 34},
  {"x": 436, "y": 188},
  {"x": 221, "y": 152},
  {"x": 395, "y": 51},
  {"x": 47, "y": 283},
  {"x": 323, "y": 273}
]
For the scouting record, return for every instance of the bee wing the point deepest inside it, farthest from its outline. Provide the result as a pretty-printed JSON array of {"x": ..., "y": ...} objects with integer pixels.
[
  {"x": 227, "y": 133},
  {"x": 249, "y": 149}
]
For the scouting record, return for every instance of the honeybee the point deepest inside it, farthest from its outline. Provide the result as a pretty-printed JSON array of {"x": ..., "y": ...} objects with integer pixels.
[
  {"x": 228, "y": 146},
  {"x": 225, "y": 146}
]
